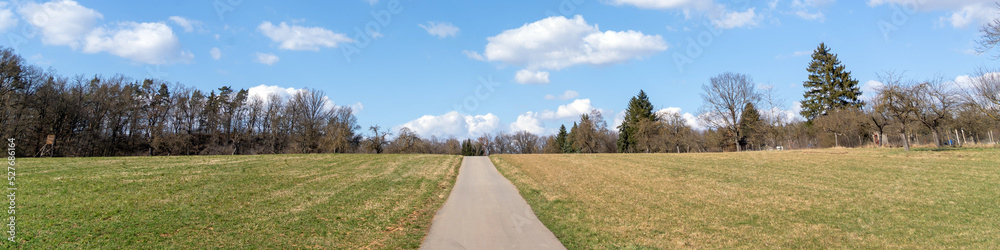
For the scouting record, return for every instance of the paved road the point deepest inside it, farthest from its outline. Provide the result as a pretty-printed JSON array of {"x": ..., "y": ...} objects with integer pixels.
[{"x": 485, "y": 211}]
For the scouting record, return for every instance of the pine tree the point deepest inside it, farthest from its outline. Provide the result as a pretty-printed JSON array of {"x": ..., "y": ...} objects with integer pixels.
[
  {"x": 639, "y": 109},
  {"x": 830, "y": 85},
  {"x": 568, "y": 146},
  {"x": 561, "y": 140},
  {"x": 751, "y": 126}
]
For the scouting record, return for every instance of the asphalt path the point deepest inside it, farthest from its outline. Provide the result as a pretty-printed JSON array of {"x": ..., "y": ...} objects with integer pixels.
[{"x": 485, "y": 211}]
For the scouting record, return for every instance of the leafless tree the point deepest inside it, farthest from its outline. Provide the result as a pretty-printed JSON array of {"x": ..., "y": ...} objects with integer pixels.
[
  {"x": 984, "y": 92},
  {"x": 989, "y": 37},
  {"x": 936, "y": 103},
  {"x": 724, "y": 98},
  {"x": 899, "y": 101}
]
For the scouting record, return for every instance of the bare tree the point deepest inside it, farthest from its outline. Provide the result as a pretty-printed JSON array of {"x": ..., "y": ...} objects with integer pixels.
[
  {"x": 377, "y": 142},
  {"x": 989, "y": 37},
  {"x": 879, "y": 118},
  {"x": 984, "y": 93},
  {"x": 899, "y": 101},
  {"x": 525, "y": 142},
  {"x": 935, "y": 104},
  {"x": 724, "y": 99}
]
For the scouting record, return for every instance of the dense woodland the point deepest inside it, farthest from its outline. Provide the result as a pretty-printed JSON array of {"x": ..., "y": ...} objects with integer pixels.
[{"x": 120, "y": 116}]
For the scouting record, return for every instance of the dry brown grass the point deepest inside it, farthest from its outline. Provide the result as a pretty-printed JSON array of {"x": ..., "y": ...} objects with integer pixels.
[{"x": 814, "y": 198}]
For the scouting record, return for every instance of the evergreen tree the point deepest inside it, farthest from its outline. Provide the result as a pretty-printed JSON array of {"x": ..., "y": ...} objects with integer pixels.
[
  {"x": 568, "y": 146},
  {"x": 639, "y": 109},
  {"x": 751, "y": 127},
  {"x": 830, "y": 85},
  {"x": 561, "y": 140}
]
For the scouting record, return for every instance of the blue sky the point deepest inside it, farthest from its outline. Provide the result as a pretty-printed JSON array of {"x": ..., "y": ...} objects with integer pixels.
[{"x": 462, "y": 68}]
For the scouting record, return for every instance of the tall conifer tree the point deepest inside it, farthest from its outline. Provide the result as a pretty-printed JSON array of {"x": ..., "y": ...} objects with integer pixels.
[{"x": 830, "y": 85}]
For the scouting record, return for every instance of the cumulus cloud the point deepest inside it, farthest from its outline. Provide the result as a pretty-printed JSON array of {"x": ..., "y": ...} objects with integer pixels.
[
  {"x": 870, "y": 88},
  {"x": 151, "y": 43},
  {"x": 961, "y": 14},
  {"x": 529, "y": 122},
  {"x": 454, "y": 124},
  {"x": 441, "y": 30},
  {"x": 295, "y": 37},
  {"x": 7, "y": 18},
  {"x": 689, "y": 119},
  {"x": 532, "y": 77},
  {"x": 216, "y": 53},
  {"x": 60, "y": 22},
  {"x": 534, "y": 122},
  {"x": 68, "y": 23},
  {"x": 264, "y": 93},
  {"x": 569, "y": 94},
  {"x": 266, "y": 58},
  {"x": 557, "y": 42}
]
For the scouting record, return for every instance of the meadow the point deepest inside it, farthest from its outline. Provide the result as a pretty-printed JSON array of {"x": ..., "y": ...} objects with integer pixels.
[
  {"x": 839, "y": 198},
  {"x": 264, "y": 201}
]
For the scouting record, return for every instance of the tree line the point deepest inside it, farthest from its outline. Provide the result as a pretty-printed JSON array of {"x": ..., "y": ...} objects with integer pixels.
[{"x": 119, "y": 116}]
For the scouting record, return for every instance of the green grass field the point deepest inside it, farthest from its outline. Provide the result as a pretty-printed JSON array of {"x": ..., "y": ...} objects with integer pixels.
[
  {"x": 267, "y": 201},
  {"x": 839, "y": 198}
]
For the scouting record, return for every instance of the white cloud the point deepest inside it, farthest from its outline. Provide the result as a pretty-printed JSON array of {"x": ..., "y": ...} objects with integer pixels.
[
  {"x": 689, "y": 119},
  {"x": 534, "y": 122},
  {"x": 7, "y": 18},
  {"x": 294, "y": 37},
  {"x": 572, "y": 110},
  {"x": 264, "y": 92},
  {"x": 473, "y": 55},
  {"x": 187, "y": 24},
  {"x": 962, "y": 13},
  {"x": 68, "y": 23},
  {"x": 870, "y": 88},
  {"x": 529, "y": 122},
  {"x": 454, "y": 124},
  {"x": 808, "y": 9},
  {"x": 216, "y": 53},
  {"x": 664, "y": 4},
  {"x": 525, "y": 76},
  {"x": 556, "y": 42},
  {"x": 719, "y": 14},
  {"x": 60, "y": 22},
  {"x": 441, "y": 30},
  {"x": 737, "y": 19},
  {"x": 151, "y": 43},
  {"x": 268, "y": 58},
  {"x": 569, "y": 94}
]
